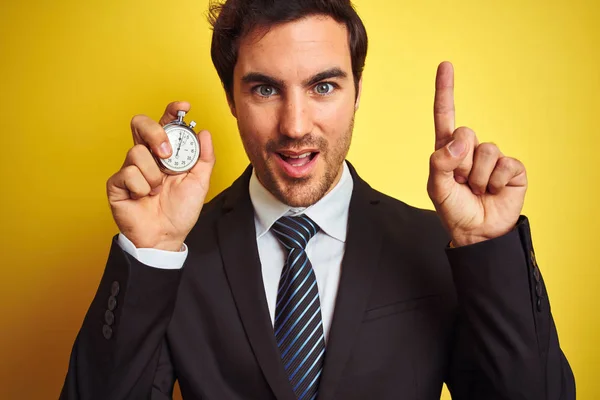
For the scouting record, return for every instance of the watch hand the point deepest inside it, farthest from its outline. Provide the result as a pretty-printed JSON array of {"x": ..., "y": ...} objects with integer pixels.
[{"x": 180, "y": 137}]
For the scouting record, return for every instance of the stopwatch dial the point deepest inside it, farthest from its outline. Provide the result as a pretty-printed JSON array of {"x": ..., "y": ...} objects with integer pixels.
[{"x": 185, "y": 150}]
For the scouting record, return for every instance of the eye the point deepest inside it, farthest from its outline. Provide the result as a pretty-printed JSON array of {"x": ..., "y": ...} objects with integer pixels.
[
  {"x": 265, "y": 90},
  {"x": 324, "y": 88}
]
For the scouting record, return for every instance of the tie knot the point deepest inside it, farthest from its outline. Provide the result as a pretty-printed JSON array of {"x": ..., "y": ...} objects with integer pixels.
[{"x": 295, "y": 232}]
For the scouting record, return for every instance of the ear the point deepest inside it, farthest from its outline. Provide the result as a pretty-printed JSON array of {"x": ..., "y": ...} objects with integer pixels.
[{"x": 357, "y": 103}]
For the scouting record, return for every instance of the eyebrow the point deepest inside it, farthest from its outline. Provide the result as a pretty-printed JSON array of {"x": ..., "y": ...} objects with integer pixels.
[
  {"x": 257, "y": 77},
  {"x": 327, "y": 74}
]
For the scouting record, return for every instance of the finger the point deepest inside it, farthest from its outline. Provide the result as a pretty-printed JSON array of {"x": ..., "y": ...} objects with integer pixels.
[
  {"x": 205, "y": 164},
  {"x": 128, "y": 183},
  {"x": 150, "y": 133},
  {"x": 508, "y": 172},
  {"x": 484, "y": 161},
  {"x": 442, "y": 164},
  {"x": 170, "y": 113},
  {"x": 443, "y": 105},
  {"x": 445, "y": 160},
  {"x": 465, "y": 135},
  {"x": 140, "y": 156}
]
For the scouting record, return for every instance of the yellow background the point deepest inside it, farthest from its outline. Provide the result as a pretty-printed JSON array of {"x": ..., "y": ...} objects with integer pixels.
[{"x": 73, "y": 73}]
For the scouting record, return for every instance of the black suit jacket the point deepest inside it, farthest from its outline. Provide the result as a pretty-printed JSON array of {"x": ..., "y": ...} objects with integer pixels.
[{"x": 410, "y": 314}]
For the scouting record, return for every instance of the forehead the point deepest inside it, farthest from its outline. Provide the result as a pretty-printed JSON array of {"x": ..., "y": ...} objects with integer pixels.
[{"x": 295, "y": 49}]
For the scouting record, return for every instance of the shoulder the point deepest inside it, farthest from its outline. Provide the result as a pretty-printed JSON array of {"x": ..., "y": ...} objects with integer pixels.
[
  {"x": 214, "y": 207},
  {"x": 404, "y": 211},
  {"x": 397, "y": 218},
  {"x": 400, "y": 220}
]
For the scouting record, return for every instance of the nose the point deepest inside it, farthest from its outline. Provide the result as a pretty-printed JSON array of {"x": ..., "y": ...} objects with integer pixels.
[{"x": 296, "y": 119}]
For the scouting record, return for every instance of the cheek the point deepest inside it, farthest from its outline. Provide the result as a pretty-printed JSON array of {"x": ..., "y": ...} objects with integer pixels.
[
  {"x": 256, "y": 123},
  {"x": 334, "y": 120}
]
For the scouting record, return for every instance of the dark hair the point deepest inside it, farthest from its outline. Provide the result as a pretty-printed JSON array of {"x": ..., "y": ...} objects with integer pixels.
[{"x": 232, "y": 19}]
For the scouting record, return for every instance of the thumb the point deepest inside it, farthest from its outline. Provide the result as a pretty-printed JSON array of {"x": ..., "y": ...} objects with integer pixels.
[
  {"x": 203, "y": 168},
  {"x": 442, "y": 164}
]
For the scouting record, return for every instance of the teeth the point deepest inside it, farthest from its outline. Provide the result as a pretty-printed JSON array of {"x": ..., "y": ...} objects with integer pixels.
[{"x": 300, "y": 156}]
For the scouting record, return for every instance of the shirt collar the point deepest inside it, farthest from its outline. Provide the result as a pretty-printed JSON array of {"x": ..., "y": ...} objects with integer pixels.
[{"x": 330, "y": 213}]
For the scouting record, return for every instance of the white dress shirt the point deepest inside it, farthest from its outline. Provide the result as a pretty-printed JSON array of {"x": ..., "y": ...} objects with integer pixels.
[{"x": 325, "y": 250}]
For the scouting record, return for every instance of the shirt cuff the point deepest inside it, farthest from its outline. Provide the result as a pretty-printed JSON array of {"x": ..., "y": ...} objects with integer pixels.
[{"x": 155, "y": 258}]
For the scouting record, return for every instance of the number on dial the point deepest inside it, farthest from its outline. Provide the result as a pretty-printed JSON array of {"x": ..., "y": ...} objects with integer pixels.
[{"x": 185, "y": 150}]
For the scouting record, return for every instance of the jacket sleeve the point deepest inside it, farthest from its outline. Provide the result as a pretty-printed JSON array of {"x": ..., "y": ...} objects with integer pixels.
[
  {"x": 120, "y": 351},
  {"x": 506, "y": 345}
]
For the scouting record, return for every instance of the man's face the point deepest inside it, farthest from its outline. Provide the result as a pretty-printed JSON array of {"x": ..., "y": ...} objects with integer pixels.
[{"x": 294, "y": 100}]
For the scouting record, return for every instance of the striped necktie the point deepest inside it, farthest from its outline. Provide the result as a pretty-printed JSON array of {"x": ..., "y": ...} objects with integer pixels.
[{"x": 298, "y": 324}]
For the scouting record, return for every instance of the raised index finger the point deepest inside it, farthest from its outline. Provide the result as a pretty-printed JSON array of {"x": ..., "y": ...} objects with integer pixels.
[{"x": 443, "y": 105}]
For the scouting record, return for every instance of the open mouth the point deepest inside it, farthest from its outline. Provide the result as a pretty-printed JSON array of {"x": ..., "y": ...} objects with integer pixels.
[
  {"x": 299, "y": 160},
  {"x": 298, "y": 164}
]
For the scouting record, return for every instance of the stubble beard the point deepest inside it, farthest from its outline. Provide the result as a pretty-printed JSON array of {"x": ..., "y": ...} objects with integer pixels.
[{"x": 299, "y": 192}]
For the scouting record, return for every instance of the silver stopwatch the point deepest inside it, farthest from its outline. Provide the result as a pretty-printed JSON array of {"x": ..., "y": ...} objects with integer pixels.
[{"x": 185, "y": 145}]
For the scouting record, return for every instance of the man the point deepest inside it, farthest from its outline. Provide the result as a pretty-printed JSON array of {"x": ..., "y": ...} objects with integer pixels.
[{"x": 300, "y": 281}]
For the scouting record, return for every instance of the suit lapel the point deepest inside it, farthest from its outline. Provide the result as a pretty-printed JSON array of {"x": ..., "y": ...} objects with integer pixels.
[
  {"x": 363, "y": 245},
  {"x": 237, "y": 242}
]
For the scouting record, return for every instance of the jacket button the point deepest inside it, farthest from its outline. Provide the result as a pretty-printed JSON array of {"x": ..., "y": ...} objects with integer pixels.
[
  {"x": 539, "y": 304},
  {"x": 109, "y": 317},
  {"x": 538, "y": 289},
  {"x": 112, "y": 303},
  {"x": 115, "y": 288},
  {"x": 536, "y": 274},
  {"x": 107, "y": 332}
]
